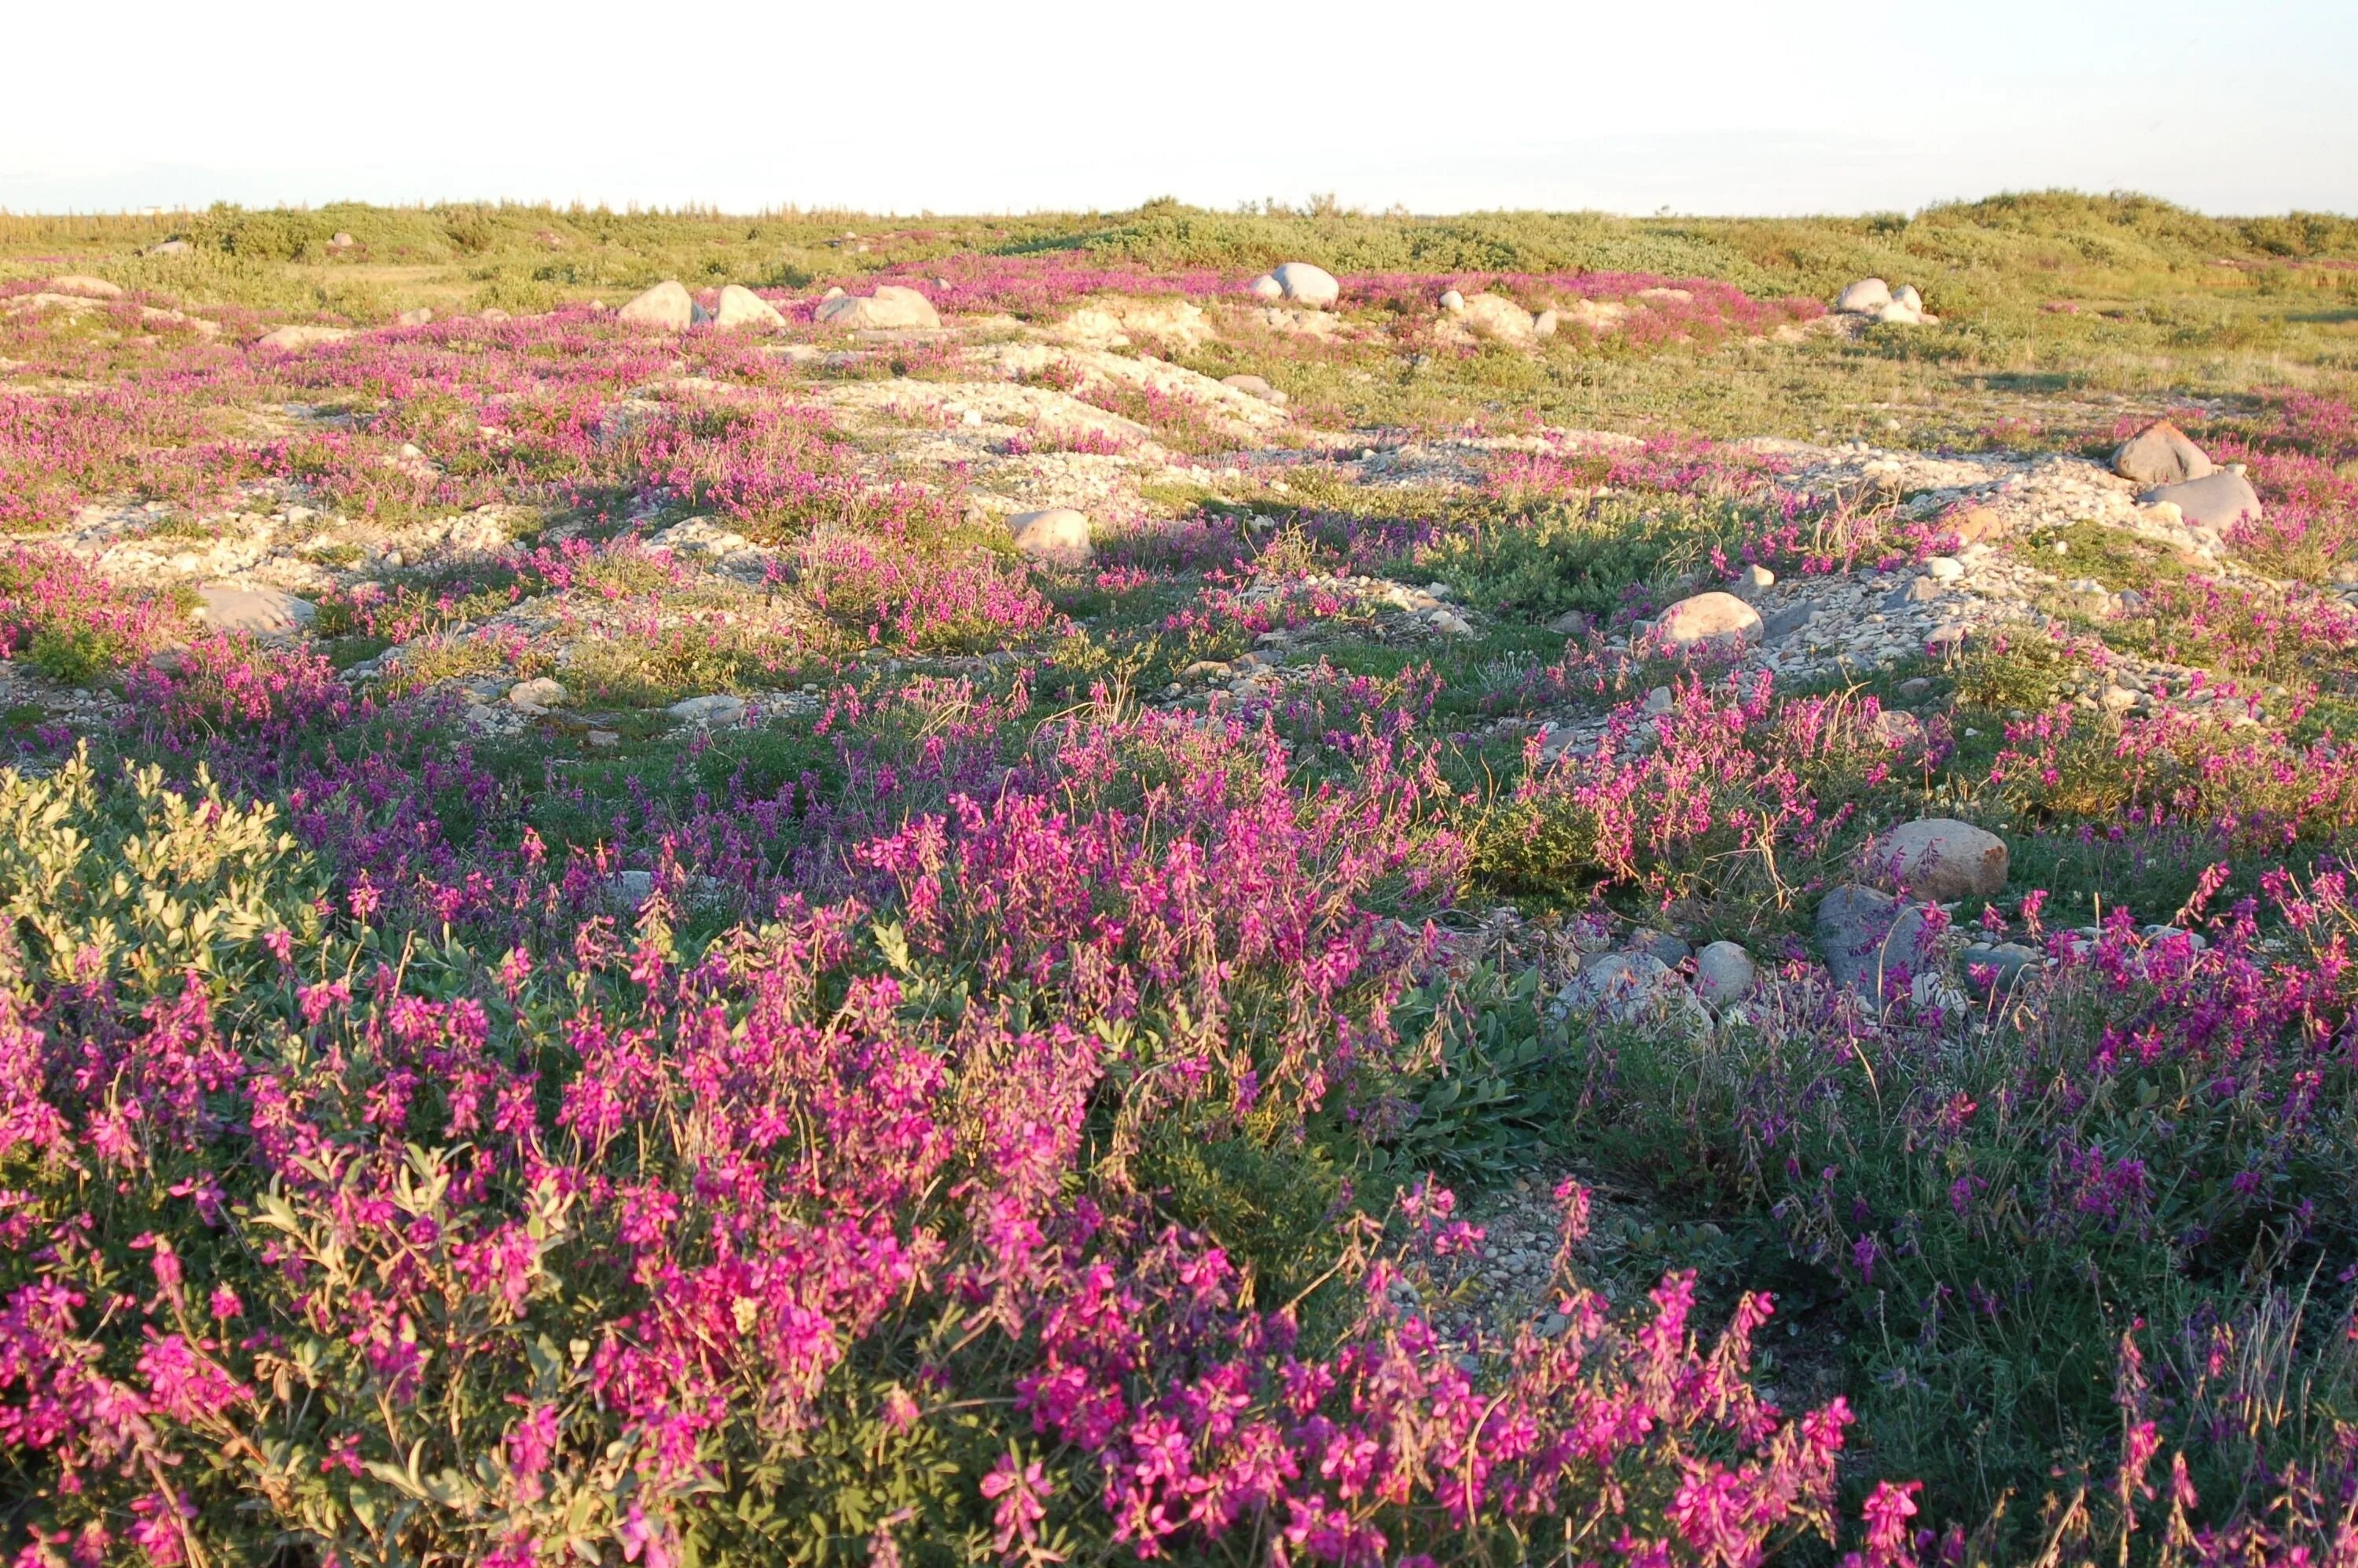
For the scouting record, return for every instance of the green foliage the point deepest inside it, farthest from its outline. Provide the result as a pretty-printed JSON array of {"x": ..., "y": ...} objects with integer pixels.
[
  {"x": 1496, "y": 1090},
  {"x": 142, "y": 883},
  {"x": 77, "y": 655},
  {"x": 1582, "y": 555}
]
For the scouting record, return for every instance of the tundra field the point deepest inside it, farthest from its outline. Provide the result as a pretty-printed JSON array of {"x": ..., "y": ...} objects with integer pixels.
[{"x": 1279, "y": 887}]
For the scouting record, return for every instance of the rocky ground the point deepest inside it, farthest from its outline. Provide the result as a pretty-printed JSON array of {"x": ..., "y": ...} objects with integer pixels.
[{"x": 1078, "y": 448}]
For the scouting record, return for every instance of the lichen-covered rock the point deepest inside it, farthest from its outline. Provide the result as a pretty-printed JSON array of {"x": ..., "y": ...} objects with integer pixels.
[{"x": 1869, "y": 940}]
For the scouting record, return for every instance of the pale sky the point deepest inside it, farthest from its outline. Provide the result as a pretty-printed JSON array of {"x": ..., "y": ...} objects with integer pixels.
[{"x": 1709, "y": 106}]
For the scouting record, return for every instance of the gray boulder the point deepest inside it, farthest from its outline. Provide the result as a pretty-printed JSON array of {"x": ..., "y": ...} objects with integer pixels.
[
  {"x": 2002, "y": 965},
  {"x": 1870, "y": 939},
  {"x": 1938, "y": 857},
  {"x": 1723, "y": 973},
  {"x": 2160, "y": 454},
  {"x": 2217, "y": 500},
  {"x": 1637, "y": 990},
  {"x": 718, "y": 709},
  {"x": 1670, "y": 949}
]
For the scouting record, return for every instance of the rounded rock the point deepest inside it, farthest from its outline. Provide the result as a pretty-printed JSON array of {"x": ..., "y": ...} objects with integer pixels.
[
  {"x": 891, "y": 309},
  {"x": 2217, "y": 500},
  {"x": 290, "y": 339},
  {"x": 1059, "y": 536},
  {"x": 1306, "y": 285},
  {"x": 1864, "y": 297},
  {"x": 1496, "y": 315},
  {"x": 741, "y": 307},
  {"x": 2162, "y": 454},
  {"x": 1868, "y": 938},
  {"x": 1723, "y": 973},
  {"x": 271, "y": 611},
  {"x": 1939, "y": 858},
  {"x": 1712, "y": 620},
  {"x": 667, "y": 305}
]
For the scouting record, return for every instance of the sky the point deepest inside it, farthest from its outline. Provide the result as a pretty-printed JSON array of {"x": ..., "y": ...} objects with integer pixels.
[{"x": 1707, "y": 106}]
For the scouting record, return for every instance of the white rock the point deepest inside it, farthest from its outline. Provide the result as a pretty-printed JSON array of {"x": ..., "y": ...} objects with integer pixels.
[
  {"x": 699, "y": 535},
  {"x": 741, "y": 307},
  {"x": 1898, "y": 315},
  {"x": 88, "y": 287},
  {"x": 1059, "y": 536},
  {"x": 1451, "y": 301},
  {"x": 418, "y": 318},
  {"x": 232, "y": 607},
  {"x": 1496, "y": 315},
  {"x": 293, "y": 337},
  {"x": 538, "y": 694},
  {"x": 891, "y": 309},
  {"x": 1306, "y": 285},
  {"x": 1715, "y": 619},
  {"x": 719, "y": 708},
  {"x": 1944, "y": 568},
  {"x": 1864, "y": 297},
  {"x": 1906, "y": 295},
  {"x": 667, "y": 305}
]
